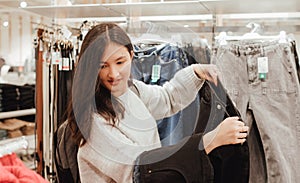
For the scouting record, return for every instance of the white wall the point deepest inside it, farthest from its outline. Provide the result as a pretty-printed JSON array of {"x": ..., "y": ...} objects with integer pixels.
[
  {"x": 4, "y": 37},
  {"x": 16, "y": 39}
]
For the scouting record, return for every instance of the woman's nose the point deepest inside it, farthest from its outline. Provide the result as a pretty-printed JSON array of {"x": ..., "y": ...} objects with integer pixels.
[{"x": 113, "y": 72}]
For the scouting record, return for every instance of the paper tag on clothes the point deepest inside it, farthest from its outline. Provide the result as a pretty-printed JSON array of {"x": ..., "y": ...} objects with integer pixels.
[
  {"x": 263, "y": 67},
  {"x": 56, "y": 58},
  {"x": 155, "y": 73},
  {"x": 66, "y": 64}
]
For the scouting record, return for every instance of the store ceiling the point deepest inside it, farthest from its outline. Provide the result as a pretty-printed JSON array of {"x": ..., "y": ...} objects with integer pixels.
[
  {"x": 83, "y": 9},
  {"x": 80, "y": 8}
]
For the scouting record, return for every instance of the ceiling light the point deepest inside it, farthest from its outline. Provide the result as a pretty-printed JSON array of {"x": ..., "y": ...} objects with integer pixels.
[
  {"x": 186, "y": 26},
  {"x": 23, "y": 4},
  {"x": 5, "y": 23},
  {"x": 176, "y": 17}
]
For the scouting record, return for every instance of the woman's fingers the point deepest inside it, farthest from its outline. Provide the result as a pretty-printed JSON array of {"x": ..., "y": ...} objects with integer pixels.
[
  {"x": 241, "y": 135},
  {"x": 207, "y": 71},
  {"x": 230, "y": 131},
  {"x": 244, "y": 129},
  {"x": 234, "y": 130},
  {"x": 240, "y": 141}
]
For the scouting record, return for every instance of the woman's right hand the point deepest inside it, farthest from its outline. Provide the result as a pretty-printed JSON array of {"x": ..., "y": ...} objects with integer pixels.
[{"x": 229, "y": 131}]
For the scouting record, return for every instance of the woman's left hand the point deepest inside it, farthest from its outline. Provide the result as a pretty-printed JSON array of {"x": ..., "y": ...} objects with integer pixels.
[{"x": 208, "y": 72}]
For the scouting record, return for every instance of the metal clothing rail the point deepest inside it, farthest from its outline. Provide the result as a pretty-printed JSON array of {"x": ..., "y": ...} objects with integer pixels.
[{"x": 17, "y": 113}]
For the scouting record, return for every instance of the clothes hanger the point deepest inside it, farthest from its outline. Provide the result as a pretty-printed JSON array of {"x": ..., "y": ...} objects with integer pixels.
[
  {"x": 153, "y": 35},
  {"x": 253, "y": 35}
]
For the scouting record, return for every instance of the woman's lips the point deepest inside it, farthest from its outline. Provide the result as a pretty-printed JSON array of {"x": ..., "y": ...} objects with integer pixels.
[{"x": 114, "y": 82}]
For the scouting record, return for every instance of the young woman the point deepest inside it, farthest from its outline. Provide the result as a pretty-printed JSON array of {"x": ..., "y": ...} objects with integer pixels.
[{"x": 113, "y": 123}]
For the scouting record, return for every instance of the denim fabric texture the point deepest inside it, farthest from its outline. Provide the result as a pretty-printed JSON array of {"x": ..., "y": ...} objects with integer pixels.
[
  {"x": 230, "y": 162},
  {"x": 171, "y": 58},
  {"x": 273, "y": 100}
]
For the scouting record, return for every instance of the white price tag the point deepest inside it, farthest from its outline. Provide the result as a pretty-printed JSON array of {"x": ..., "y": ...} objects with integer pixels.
[
  {"x": 155, "y": 73},
  {"x": 56, "y": 58},
  {"x": 262, "y": 64},
  {"x": 66, "y": 64}
]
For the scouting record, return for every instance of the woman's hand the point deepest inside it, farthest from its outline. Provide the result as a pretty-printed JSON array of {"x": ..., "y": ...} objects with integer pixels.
[
  {"x": 229, "y": 131},
  {"x": 207, "y": 71}
]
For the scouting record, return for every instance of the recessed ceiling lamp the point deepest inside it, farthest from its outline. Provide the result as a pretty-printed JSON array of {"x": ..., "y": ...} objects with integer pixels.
[
  {"x": 5, "y": 23},
  {"x": 23, "y": 4}
]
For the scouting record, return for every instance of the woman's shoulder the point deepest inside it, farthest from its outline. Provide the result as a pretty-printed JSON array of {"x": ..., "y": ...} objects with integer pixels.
[{"x": 134, "y": 87}]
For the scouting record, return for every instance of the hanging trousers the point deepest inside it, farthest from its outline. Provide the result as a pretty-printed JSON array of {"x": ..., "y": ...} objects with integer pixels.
[
  {"x": 274, "y": 101},
  {"x": 171, "y": 59},
  {"x": 230, "y": 162}
]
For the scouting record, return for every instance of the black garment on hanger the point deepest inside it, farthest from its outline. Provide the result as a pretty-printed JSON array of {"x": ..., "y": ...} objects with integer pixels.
[
  {"x": 294, "y": 51},
  {"x": 230, "y": 162},
  {"x": 185, "y": 163},
  {"x": 65, "y": 79},
  {"x": 179, "y": 163}
]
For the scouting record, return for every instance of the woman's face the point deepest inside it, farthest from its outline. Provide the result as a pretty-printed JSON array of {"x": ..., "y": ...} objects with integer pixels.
[{"x": 115, "y": 68}]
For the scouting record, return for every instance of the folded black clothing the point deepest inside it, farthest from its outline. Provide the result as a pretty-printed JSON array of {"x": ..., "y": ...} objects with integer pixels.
[
  {"x": 9, "y": 94},
  {"x": 9, "y": 100},
  {"x": 7, "y": 109},
  {"x": 9, "y": 105},
  {"x": 26, "y": 107},
  {"x": 26, "y": 98},
  {"x": 14, "y": 95},
  {"x": 7, "y": 86}
]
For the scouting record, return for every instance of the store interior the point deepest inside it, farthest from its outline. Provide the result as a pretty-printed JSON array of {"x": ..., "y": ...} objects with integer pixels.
[{"x": 32, "y": 69}]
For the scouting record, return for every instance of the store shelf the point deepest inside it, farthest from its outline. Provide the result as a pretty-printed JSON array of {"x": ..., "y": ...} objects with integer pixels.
[{"x": 17, "y": 113}]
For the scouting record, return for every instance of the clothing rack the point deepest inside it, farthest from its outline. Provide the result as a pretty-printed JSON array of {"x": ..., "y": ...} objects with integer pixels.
[
  {"x": 17, "y": 113},
  {"x": 222, "y": 38},
  {"x": 253, "y": 35},
  {"x": 13, "y": 145},
  {"x": 57, "y": 54}
]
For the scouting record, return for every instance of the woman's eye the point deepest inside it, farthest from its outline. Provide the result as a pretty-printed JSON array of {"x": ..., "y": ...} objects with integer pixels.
[
  {"x": 103, "y": 66},
  {"x": 120, "y": 62}
]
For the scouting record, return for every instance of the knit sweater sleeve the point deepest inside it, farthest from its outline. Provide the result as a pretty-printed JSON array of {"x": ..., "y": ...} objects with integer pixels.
[
  {"x": 108, "y": 150},
  {"x": 173, "y": 96},
  {"x": 109, "y": 153},
  {"x": 96, "y": 167}
]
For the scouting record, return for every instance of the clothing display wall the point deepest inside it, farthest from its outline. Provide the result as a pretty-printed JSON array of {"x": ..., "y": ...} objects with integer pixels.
[
  {"x": 56, "y": 61},
  {"x": 261, "y": 78}
]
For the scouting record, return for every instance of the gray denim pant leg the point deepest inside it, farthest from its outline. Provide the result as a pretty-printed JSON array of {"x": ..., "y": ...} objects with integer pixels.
[{"x": 274, "y": 101}]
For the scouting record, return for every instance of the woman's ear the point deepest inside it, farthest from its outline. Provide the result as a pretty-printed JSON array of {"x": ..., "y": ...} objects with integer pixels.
[{"x": 131, "y": 54}]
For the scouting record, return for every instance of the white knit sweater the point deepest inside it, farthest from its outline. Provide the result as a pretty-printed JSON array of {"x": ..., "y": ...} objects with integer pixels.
[{"x": 110, "y": 152}]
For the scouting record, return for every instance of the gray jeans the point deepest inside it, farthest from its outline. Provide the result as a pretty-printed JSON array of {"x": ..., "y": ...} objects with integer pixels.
[{"x": 274, "y": 101}]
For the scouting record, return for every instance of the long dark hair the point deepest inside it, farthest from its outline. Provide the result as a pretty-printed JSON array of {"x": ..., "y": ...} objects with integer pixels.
[{"x": 89, "y": 96}]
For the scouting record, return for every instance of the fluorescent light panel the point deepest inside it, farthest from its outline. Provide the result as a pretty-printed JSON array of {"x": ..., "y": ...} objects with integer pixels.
[
  {"x": 190, "y": 17},
  {"x": 261, "y": 16}
]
